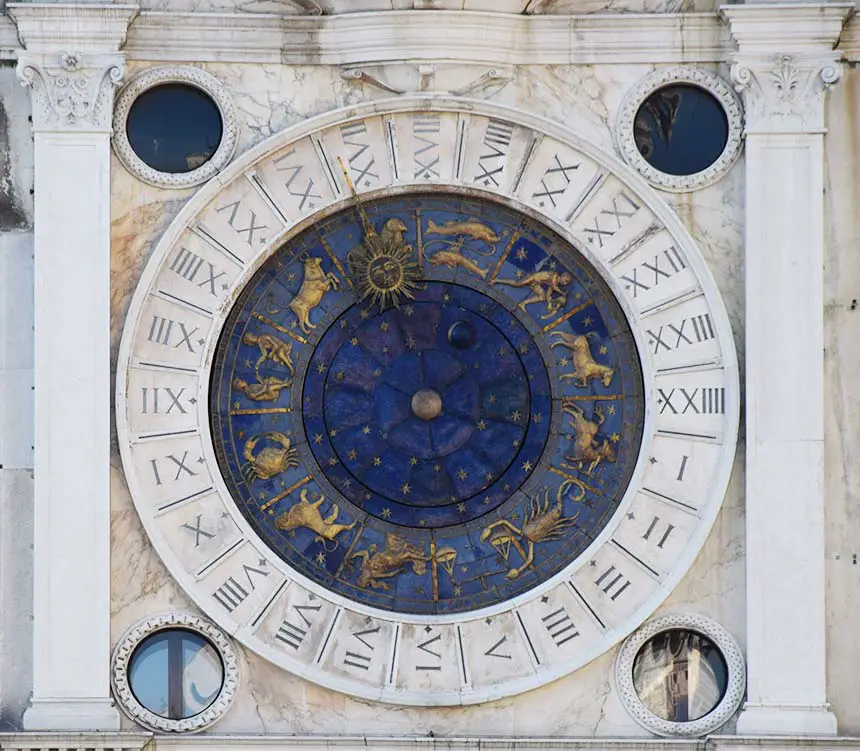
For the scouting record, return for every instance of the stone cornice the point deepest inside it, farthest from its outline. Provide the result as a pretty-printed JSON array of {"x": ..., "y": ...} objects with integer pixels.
[{"x": 57, "y": 27}]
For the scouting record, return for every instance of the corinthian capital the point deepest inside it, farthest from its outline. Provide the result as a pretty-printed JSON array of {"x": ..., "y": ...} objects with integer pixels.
[
  {"x": 72, "y": 61},
  {"x": 785, "y": 62}
]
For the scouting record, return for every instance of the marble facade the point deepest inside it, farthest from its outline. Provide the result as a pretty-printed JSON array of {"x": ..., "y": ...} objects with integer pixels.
[{"x": 584, "y": 96}]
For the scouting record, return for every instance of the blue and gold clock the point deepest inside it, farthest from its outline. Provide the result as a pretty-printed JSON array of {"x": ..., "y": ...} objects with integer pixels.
[{"x": 430, "y": 406}]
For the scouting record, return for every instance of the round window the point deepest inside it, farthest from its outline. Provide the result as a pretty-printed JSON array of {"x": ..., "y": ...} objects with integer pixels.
[
  {"x": 174, "y": 127},
  {"x": 175, "y": 672},
  {"x": 681, "y": 129},
  {"x": 680, "y": 675}
]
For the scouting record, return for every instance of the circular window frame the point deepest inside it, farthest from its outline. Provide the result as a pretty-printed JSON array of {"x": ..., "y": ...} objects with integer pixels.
[
  {"x": 731, "y": 653},
  {"x": 200, "y": 79},
  {"x": 147, "y": 627},
  {"x": 703, "y": 79}
]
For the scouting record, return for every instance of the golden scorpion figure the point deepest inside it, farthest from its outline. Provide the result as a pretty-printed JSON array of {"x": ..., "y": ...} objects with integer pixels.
[{"x": 543, "y": 522}]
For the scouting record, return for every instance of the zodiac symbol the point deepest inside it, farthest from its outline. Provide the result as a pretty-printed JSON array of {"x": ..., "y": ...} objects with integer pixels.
[
  {"x": 398, "y": 555},
  {"x": 270, "y": 461},
  {"x": 266, "y": 389},
  {"x": 454, "y": 257},
  {"x": 542, "y": 524},
  {"x": 586, "y": 447},
  {"x": 473, "y": 228},
  {"x": 546, "y": 287},
  {"x": 307, "y": 515},
  {"x": 271, "y": 348},
  {"x": 584, "y": 366},
  {"x": 315, "y": 284}
]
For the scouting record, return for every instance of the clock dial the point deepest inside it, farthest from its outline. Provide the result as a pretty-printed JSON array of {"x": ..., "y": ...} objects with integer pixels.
[
  {"x": 442, "y": 448},
  {"x": 441, "y": 441}
]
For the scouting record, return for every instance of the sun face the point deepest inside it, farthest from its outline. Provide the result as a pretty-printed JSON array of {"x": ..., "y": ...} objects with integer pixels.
[{"x": 384, "y": 268}]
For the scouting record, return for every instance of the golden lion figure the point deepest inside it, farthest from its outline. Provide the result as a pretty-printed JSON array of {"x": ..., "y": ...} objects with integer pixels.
[
  {"x": 315, "y": 284},
  {"x": 543, "y": 522},
  {"x": 306, "y": 514},
  {"x": 379, "y": 565},
  {"x": 584, "y": 366},
  {"x": 586, "y": 447}
]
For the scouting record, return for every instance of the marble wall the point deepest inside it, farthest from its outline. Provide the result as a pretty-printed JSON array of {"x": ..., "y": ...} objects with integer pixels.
[{"x": 269, "y": 99}]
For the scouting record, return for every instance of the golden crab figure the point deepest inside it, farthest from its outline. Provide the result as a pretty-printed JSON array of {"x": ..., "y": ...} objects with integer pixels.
[{"x": 384, "y": 268}]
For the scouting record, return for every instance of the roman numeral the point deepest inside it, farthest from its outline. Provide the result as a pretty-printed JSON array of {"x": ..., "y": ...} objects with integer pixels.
[
  {"x": 187, "y": 265},
  {"x": 359, "y": 659},
  {"x": 164, "y": 331},
  {"x": 428, "y": 648},
  {"x": 303, "y": 190},
  {"x": 609, "y": 221},
  {"x": 554, "y": 182},
  {"x": 683, "y": 468},
  {"x": 646, "y": 275},
  {"x": 497, "y": 139},
  {"x": 692, "y": 330},
  {"x": 360, "y": 166},
  {"x": 702, "y": 401},
  {"x": 559, "y": 626},
  {"x": 249, "y": 218},
  {"x": 612, "y": 581},
  {"x": 152, "y": 401},
  {"x": 197, "y": 531},
  {"x": 426, "y": 157},
  {"x": 179, "y": 464},
  {"x": 292, "y": 634},
  {"x": 652, "y": 526},
  {"x": 491, "y": 652},
  {"x": 231, "y": 594}
]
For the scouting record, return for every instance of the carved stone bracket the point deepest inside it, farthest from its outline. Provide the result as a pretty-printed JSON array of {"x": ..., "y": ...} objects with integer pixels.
[
  {"x": 71, "y": 91},
  {"x": 431, "y": 78}
]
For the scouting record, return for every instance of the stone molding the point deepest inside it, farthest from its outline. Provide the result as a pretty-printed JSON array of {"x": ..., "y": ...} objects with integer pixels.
[{"x": 71, "y": 62}]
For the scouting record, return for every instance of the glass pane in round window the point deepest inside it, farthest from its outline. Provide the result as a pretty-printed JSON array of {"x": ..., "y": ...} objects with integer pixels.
[
  {"x": 681, "y": 129},
  {"x": 680, "y": 676},
  {"x": 174, "y": 127},
  {"x": 176, "y": 674}
]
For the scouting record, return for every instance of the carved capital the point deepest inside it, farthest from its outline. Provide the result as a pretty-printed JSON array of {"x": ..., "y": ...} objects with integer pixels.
[
  {"x": 785, "y": 92},
  {"x": 71, "y": 91}
]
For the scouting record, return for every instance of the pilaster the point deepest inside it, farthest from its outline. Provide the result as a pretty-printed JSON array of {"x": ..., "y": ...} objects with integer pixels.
[
  {"x": 784, "y": 64},
  {"x": 72, "y": 64}
]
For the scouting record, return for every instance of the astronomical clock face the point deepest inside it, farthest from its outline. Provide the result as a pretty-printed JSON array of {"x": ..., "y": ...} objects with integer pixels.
[{"x": 427, "y": 407}]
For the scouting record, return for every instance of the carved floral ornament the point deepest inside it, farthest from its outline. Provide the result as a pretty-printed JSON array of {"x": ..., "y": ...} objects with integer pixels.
[
  {"x": 685, "y": 74},
  {"x": 784, "y": 90},
  {"x": 71, "y": 91}
]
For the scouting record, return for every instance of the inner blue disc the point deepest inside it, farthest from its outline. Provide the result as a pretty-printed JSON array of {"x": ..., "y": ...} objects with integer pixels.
[{"x": 359, "y": 405}]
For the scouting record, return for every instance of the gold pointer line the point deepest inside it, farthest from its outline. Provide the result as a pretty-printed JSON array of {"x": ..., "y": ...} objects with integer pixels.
[
  {"x": 295, "y": 486},
  {"x": 334, "y": 259},
  {"x": 370, "y": 236},
  {"x": 419, "y": 240},
  {"x": 569, "y": 314},
  {"x": 594, "y": 398},
  {"x": 348, "y": 556},
  {"x": 261, "y": 411},
  {"x": 573, "y": 479},
  {"x": 278, "y": 327},
  {"x": 434, "y": 569},
  {"x": 504, "y": 257}
]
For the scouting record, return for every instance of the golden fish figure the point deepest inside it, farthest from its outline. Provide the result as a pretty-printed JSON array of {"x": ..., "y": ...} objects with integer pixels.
[
  {"x": 315, "y": 284},
  {"x": 586, "y": 447},
  {"x": 542, "y": 524},
  {"x": 546, "y": 287},
  {"x": 473, "y": 228},
  {"x": 264, "y": 390},
  {"x": 454, "y": 258},
  {"x": 305, "y": 514},
  {"x": 584, "y": 366},
  {"x": 271, "y": 461}
]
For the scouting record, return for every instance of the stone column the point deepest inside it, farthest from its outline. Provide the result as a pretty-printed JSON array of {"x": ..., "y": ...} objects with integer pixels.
[
  {"x": 71, "y": 65},
  {"x": 784, "y": 65}
]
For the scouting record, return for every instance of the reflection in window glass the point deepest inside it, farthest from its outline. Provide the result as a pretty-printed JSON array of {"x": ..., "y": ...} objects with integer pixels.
[
  {"x": 176, "y": 674},
  {"x": 681, "y": 129},
  {"x": 680, "y": 676},
  {"x": 174, "y": 127}
]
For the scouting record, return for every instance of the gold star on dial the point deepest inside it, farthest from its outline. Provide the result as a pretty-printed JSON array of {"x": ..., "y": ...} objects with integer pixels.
[
  {"x": 516, "y": 415},
  {"x": 615, "y": 437},
  {"x": 353, "y": 454},
  {"x": 461, "y": 507},
  {"x": 318, "y": 438},
  {"x": 366, "y": 430},
  {"x": 611, "y": 410},
  {"x": 481, "y": 425},
  {"x": 604, "y": 349},
  {"x": 491, "y": 399},
  {"x": 462, "y": 474},
  {"x": 321, "y": 559},
  {"x": 527, "y": 466},
  {"x": 405, "y": 489},
  {"x": 522, "y": 254},
  {"x": 413, "y": 461},
  {"x": 332, "y": 432},
  {"x": 386, "y": 513},
  {"x": 321, "y": 367},
  {"x": 354, "y": 341},
  {"x": 377, "y": 461},
  {"x": 587, "y": 321}
]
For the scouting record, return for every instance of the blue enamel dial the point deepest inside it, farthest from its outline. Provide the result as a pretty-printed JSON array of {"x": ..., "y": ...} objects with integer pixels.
[{"x": 427, "y": 403}]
